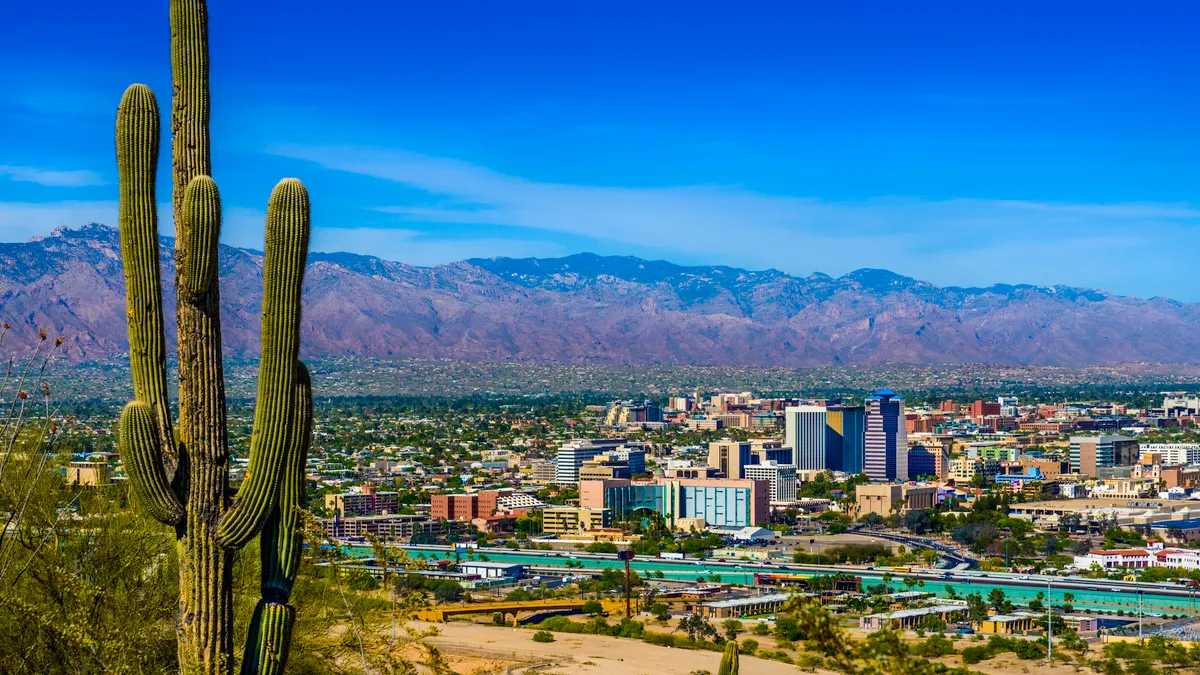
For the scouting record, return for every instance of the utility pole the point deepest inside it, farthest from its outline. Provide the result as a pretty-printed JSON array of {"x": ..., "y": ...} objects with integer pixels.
[{"x": 627, "y": 556}]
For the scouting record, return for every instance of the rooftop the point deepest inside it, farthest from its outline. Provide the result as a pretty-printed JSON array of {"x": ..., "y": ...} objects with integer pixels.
[
  {"x": 754, "y": 600},
  {"x": 920, "y": 611}
]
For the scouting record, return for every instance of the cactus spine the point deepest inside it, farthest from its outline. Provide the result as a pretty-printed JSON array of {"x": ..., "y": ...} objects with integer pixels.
[
  {"x": 729, "y": 660},
  {"x": 181, "y": 474}
]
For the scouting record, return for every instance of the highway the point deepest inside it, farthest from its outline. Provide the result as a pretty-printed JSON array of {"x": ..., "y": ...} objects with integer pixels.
[{"x": 1088, "y": 593}]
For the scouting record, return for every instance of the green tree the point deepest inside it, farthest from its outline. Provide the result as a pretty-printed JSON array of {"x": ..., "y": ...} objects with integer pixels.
[{"x": 448, "y": 592}]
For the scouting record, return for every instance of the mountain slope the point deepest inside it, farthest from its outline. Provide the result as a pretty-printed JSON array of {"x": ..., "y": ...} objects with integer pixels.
[{"x": 587, "y": 308}]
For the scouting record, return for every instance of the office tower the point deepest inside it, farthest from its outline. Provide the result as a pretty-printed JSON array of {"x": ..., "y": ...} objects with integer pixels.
[
  {"x": 1090, "y": 454},
  {"x": 826, "y": 438},
  {"x": 805, "y": 430},
  {"x": 572, "y": 455},
  {"x": 782, "y": 478},
  {"x": 632, "y": 412},
  {"x": 730, "y": 457},
  {"x": 847, "y": 426},
  {"x": 932, "y": 461},
  {"x": 885, "y": 447}
]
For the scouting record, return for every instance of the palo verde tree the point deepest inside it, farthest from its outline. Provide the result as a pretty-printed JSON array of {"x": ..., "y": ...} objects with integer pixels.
[{"x": 180, "y": 472}]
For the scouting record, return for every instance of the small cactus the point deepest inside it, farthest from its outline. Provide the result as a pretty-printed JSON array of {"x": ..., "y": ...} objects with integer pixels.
[{"x": 729, "y": 660}]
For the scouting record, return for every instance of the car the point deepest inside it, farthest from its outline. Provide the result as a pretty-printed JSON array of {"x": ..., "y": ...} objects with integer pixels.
[
  {"x": 983, "y": 576},
  {"x": 1092, "y": 588},
  {"x": 1023, "y": 577},
  {"x": 1114, "y": 589}
]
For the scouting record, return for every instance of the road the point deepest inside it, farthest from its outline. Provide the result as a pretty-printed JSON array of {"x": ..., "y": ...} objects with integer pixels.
[{"x": 1089, "y": 593}]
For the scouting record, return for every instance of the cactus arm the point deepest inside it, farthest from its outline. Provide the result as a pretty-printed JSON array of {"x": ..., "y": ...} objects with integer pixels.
[
  {"x": 284, "y": 259},
  {"x": 201, "y": 231},
  {"x": 280, "y": 543},
  {"x": 267, "y": 643},
  {"x": 137, "y": 163},
  {"x": 140, "y": 450}
]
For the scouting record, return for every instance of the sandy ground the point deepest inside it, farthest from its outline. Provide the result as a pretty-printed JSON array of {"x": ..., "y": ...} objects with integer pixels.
[
  {"x": 1011, "y": 664},
  {"x": 477, "y": 648}
]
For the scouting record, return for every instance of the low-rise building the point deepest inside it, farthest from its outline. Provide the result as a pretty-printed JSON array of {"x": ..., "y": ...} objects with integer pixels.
[
  {"x": 1134, "y": 558},
  {"x": 492, "y": 570},
  {"x": 88, "y": 474},
  {"x": 884, "y": 498},
  {"x": 911, "y": 618},
  {"x": 740, "y": 607},
  {"x": 1008, "y": 624},
  {"x": 543, "y": 472},
  {"x": 365, "y": 501},
  {"x": 389, "y": 527},
  {"x": 964, "y": 469},
  {"x": 722, "y": 503},
  {"x": 560, "y": 520}
]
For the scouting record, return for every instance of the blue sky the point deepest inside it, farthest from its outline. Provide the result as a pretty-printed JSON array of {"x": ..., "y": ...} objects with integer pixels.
[{"x": 1047, "y": 143}]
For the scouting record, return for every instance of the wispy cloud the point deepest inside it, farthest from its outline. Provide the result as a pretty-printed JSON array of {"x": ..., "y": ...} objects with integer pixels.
[
  {"x": 51, "y": 177},
  {"x": 953, "y": 241}
]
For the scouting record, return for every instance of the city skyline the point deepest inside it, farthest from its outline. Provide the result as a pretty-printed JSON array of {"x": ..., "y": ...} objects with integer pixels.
[{"x": 954, "y": 145}]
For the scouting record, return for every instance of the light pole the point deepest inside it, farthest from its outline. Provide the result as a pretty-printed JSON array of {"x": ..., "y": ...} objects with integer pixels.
[
  {"x": 1137, "y": 588},
  {"x": 1049, "y": 627}
]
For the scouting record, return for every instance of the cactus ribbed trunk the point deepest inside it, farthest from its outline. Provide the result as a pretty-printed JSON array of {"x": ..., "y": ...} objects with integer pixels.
[{"x": 205, "y": 567}]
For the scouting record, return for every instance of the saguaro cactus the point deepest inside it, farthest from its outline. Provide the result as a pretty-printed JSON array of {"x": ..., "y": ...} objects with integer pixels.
[{"x": 181, "y": 473}]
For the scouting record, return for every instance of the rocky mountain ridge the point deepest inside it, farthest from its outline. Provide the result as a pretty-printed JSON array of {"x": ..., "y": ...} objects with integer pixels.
[{"x": 595, "y": 309}]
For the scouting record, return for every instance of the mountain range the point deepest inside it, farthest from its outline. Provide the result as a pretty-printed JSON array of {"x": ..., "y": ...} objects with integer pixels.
[{"x": 601, "y": 309}]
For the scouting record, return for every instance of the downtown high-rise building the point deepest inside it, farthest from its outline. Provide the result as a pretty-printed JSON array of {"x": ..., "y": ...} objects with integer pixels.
[
  {"x": 826, "y": 437},
  {"x": 805, "y": 430},
  {"x": 885, "y": 442},
  {"x": 847, "y": 426}
]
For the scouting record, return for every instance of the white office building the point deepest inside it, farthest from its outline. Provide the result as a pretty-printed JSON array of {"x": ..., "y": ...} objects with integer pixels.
[
  {"x": 782, "y": 477},
  {"x": 1174, "y": 453},
  {"x": 572, "y": 455},
  {"x": 804, "y": 431}
]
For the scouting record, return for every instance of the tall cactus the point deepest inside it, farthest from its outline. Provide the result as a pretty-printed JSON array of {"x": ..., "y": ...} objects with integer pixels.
[{"x": 180, "y": 473}]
